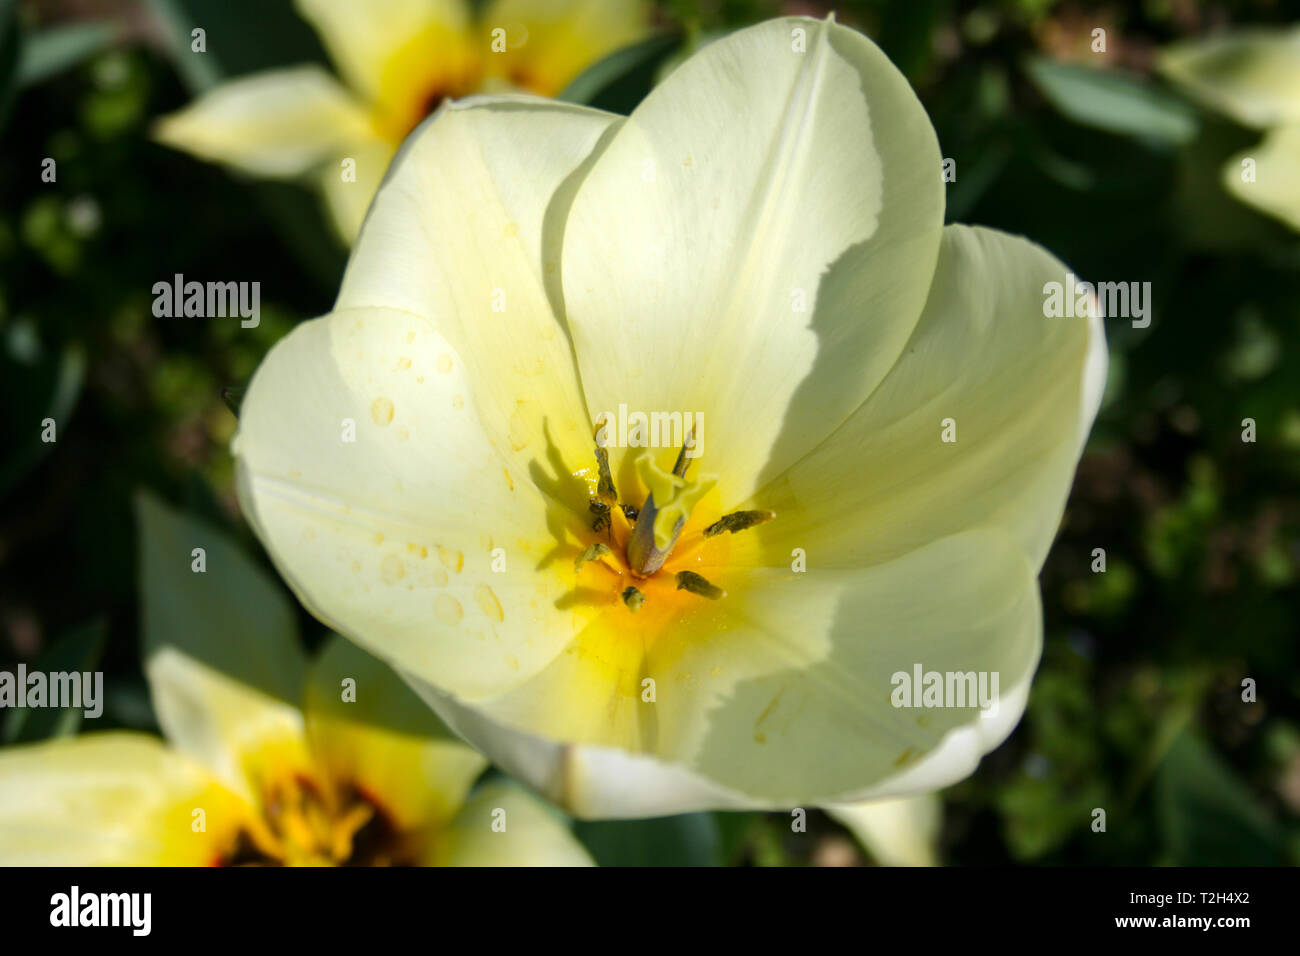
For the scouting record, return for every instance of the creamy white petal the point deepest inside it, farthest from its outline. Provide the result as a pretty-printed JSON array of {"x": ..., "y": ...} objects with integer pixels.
[
  {"x": 465, "y": 231},
  {"x": 1021, "y": 389},
  {"x": 282, "y": 123},
  {"x": 365, "y": 467},
  {"x": 755, "y": 243},
  {"x": 112, "y": 799},
  {"x": 348, "y": 189},
  {"x": 505, "y": 825},
  {"x": 899, "y": 832},
  {"x": 1274, "y": 184},
  {"x": 442, "y": 539},
  {"x": 589, "y": 782},
  {"x": 1251, "y": 74}
]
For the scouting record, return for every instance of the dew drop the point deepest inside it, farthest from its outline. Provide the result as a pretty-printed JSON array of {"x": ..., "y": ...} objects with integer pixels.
[
  {"x": 381, "y": 410},
  {"x": 489, "y": 603},
  {"x": 448, "y": 609},
  {"x": 392, "y": 570}
]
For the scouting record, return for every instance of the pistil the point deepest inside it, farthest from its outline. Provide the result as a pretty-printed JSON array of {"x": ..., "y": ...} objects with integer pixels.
[{"x": 667, "y": 506}]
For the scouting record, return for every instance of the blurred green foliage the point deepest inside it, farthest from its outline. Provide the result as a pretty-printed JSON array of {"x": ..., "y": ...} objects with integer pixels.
[{"x": 1138, "y": 705}]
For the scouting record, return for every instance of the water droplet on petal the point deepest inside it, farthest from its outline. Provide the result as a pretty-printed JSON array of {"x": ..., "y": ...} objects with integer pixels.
[{"x": 448, "y": 609}]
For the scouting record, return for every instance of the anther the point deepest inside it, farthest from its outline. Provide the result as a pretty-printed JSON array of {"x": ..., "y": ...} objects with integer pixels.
[
  {"x": 633, "y": 598},
  {"x": 738, "y": 521},
  {"x": 605, "y": 485},
  {"x": 682, "y": 463},
  {"x": 601, "y": 511},
  {"x": 698, "y": 584},
  {"x": 593, "y": 553}
]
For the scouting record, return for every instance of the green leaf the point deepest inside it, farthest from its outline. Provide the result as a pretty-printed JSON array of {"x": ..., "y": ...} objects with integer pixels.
[
  {"x": 619, "y": 81},
  {"x": 1207, "y": 816},
  {"x": 60, "y": 48},
  {"x": 733, "y": 833},
  {"x": 1113, "y": 101},
  {"x": 79, "y": 652},
  {"x": 692, "y": 839},
  {"x": 231, "y": 616}
]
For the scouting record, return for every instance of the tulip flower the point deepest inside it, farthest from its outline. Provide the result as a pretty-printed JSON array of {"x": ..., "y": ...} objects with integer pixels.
[
  {"x": 887, "y": 428},
  {"x": 269, "y": 759},
  {"x": 397, "y": 60},
  {"x": 1253, "y": 76}
]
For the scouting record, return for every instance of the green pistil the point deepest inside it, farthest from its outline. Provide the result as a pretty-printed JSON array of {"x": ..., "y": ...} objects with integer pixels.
[{"x": 664, "y": 514}]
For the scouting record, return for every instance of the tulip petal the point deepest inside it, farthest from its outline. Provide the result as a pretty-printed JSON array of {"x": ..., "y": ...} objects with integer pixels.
[
  {"x": 348, "y": 199},
  {"x": 465, "y": 231},
  {"x": 898, "y": 832},
  {"x": 1275, "y": 186},
  {"x": 112, "y": 799},
  {"x": 1021, "y": 388},
  {"x": 384, "y": 741},
  {"x": 755, "y": 243},
  {"x": 1252, "y": 75},
  {"x": 590, "y": 782},
  {"x": 533, "y": 834},
  {"x": 281, "y": 124},
  {"x": 221, "y": 652},
  {"x": 549, "y": 42},
  {"x": 782, "y": 693},
  {"x": 366, "y": 469}
]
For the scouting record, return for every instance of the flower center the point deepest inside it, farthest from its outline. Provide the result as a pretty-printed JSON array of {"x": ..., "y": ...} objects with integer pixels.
[
  {"x": 640, "y": 539},
  {"x": 306, "y": 825}
]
